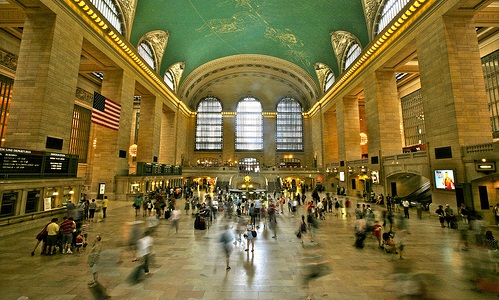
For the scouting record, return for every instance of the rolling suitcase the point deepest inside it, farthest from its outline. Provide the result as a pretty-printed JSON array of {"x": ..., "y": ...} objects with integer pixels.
[
  {"x": 202, "y": 224},
  {"x": 196, "y": 222}
]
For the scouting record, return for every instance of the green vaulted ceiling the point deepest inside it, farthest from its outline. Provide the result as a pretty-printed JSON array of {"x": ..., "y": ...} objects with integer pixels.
[{"x": 295, "y": 30}]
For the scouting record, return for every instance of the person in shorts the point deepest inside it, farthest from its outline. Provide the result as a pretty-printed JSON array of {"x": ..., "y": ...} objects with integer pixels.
[{"x": 52, "y": 231}]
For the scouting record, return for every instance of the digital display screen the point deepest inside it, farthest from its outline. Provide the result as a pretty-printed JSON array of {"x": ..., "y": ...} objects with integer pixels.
[
  {"x": 13, "y": 161},
  {"x": 375, "y": 177},
  {"x": 444, "y": 179},
  {"x": 342, "y": 176}
]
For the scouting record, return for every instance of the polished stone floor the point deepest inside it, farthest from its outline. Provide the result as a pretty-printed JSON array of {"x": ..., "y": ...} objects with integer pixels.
[{"x": 190, "y": 264}]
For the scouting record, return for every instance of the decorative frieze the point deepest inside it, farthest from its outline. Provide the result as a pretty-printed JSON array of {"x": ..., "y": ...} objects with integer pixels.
[
  {"x": 8, "y": 60},
  {"x": 84, "y": 96}
]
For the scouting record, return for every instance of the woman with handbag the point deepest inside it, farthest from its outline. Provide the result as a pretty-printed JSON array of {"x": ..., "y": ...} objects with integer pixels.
[
  {"x": 250, "y": 237},
  {"x": 41, "y": 237}
]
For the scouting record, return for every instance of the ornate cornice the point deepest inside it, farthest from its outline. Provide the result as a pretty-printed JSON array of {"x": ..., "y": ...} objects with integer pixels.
[
  {"x": 371, "y": 8},
  {"x": 158, "y": 40},
  {"x": 128, "y": 8},
  {"x": 322, "y": 70},
  {"x": 177, "y": 70},
  {"x": 341, "y": 40}
]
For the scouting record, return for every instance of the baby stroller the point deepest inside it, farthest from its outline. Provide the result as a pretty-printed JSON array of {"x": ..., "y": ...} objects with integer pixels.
[{"x": 388, "y": 244}]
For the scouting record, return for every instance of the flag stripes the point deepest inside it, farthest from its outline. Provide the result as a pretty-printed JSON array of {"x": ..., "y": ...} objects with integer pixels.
[{"x": 106, "y": 112}]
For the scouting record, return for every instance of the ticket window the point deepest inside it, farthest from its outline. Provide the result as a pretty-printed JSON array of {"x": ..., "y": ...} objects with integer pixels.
[
  {"x": 67, "y": 195},
  {"x": 52, "y": 199},
  {"x": 32, "y": 201},
  {"x": 9, "y": 202},
  {"x": 135, "y": 188}
]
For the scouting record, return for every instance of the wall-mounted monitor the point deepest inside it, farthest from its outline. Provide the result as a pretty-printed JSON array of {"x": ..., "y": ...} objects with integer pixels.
[
  {"x": 342, "y": 176},
  {"x": 444, "y": 179},
  {"x": 375, "y": 176}
]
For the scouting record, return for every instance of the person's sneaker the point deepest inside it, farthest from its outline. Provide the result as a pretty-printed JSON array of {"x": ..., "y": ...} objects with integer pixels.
[{"x": 69, "y": 252}]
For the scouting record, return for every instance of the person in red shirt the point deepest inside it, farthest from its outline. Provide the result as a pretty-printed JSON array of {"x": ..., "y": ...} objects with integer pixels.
[
  {"x": 66, "y": 228},
  {"x": 377, "y": 230}
]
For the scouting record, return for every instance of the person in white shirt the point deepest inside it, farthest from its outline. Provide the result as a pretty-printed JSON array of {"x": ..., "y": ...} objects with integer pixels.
[
  {"x": 405, "y": 204},
  {"x": 175, "y": 217},
  {"x": 144, "y": 248}
]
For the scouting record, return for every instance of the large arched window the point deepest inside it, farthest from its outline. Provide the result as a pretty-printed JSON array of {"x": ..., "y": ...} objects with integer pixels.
[
  {"x": 390, "y": 9},
  {"x": 110, "y": 11},
  {"x": 352, "y": 54},
  {"x": 249, "y": 125},
  {"x": 209, "y": 125},
  {"x": 145, "y": 51},
  {"x": 289, "y": 131}
]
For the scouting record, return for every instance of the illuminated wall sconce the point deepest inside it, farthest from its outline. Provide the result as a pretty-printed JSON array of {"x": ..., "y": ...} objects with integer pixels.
[{"x": 133, "y": 150}]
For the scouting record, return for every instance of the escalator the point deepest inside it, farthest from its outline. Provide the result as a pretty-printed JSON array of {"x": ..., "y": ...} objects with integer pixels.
[{"x": 421, "y": 195}]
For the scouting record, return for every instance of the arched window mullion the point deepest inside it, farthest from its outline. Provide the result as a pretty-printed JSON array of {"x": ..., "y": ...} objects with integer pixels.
[
  {"x": 389, "y": 10},
  {"x": 249, "y": 125},
  {"x": 110, "y": 11},
  {"x": 289, "y": 125},
  {"x": 209, "y": 125}
]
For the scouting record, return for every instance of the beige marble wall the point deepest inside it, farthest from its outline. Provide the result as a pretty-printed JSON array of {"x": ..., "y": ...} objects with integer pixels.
[
  {"x": 347, "y": 114},
  {"x": 454, "y": 99},
  {"x": 383, "y": 116},
  {"x": 330, "y": 136},
  {"x": 45, "y": 83},
  {"x": 150, "y": 129},
  {"x": 106, "y": 143},
  {"x": 269, "y": 141}
]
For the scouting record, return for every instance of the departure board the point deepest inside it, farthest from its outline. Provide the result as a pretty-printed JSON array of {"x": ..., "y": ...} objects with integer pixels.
[
  {"x": 56, "y": 163},
  {"x": 14, "y": 161}
]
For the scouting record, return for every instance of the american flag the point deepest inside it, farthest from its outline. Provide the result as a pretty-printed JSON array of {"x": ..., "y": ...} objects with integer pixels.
[{"x": 106, "y": 112}]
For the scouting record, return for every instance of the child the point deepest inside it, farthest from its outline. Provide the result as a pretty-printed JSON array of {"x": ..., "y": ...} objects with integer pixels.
[
  {"x": 85, "y": 227},
  {"x": 79, "y": 241},
  {"x": 377, "y": 233}
]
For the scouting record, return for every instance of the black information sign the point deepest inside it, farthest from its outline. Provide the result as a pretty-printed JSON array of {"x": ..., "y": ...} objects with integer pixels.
[
  {"x": 22, "y": 163},
  {"x": 15, "y": 161},
  {"x": 56, "y": 163}
]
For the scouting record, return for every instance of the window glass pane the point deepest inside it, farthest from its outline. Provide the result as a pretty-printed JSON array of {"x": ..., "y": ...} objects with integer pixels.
[
  {"x": 169, "y": 80},
  {"x": 329, "y": 81},
  {"x": 109, "y": 10},
  {"x": 80, "y": 133},
  {"x": 6, "y": 85},
  {"x": 209, "y": 125},
  {"x": 390, "y": 9},
  {"x": 352, "y": 54},
  {"x": 413, "y": 119},
  {"x": 249, "y": 125},
  {"x": 289, "y": 131},
  {"x": 146, "y": 53},
  {"x": 490, "y": 66}
]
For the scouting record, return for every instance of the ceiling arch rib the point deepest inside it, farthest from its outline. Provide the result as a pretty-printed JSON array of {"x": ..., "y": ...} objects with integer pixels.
[{"x": 265, "y": 77}]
